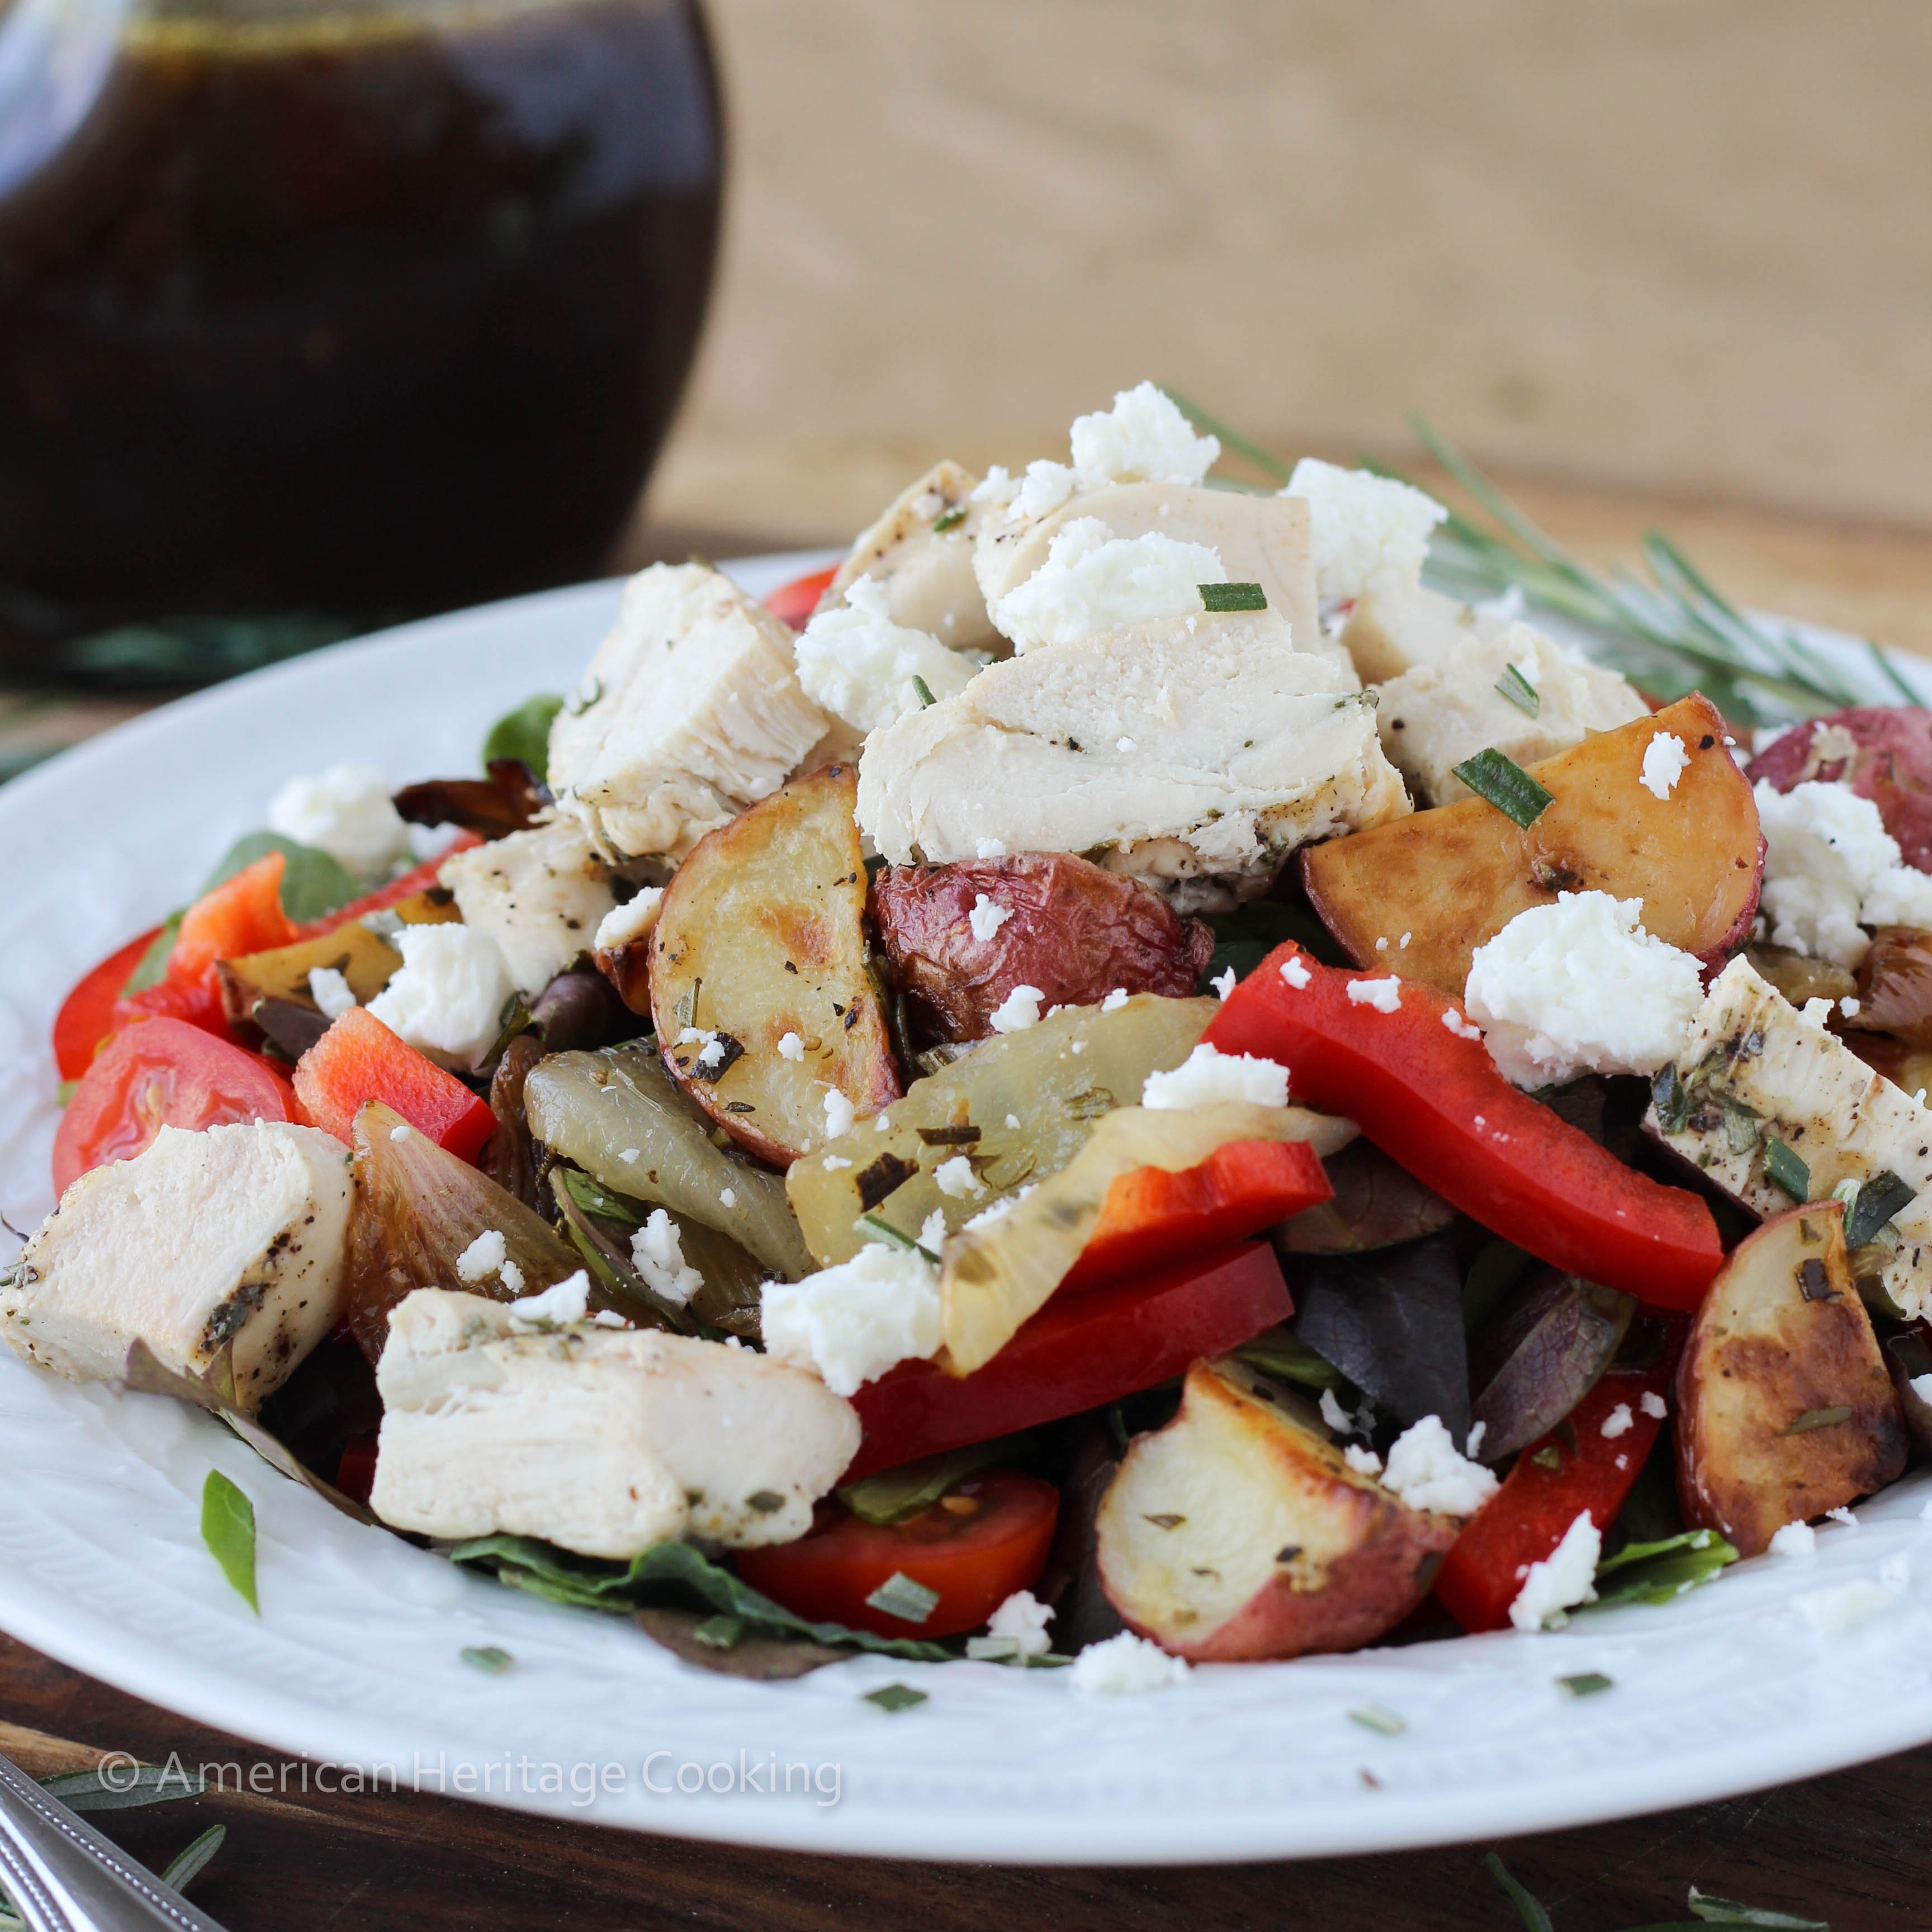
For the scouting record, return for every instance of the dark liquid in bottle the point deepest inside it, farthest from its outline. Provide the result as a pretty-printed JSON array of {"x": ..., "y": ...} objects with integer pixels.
[{"x": 362, "y": 314}]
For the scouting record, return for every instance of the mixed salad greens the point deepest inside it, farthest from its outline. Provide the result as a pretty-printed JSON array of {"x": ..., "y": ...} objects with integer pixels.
[{"x": 1115, "y": 1080}]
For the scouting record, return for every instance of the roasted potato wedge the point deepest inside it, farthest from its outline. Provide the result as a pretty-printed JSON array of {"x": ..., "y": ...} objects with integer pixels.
[
  {"x": 1238, "y": 1532},
  {"x": 1884, "y": 751},
  {"x": 1785, "y": 1406},
  {"x": 761, "y": 938},
  {"x": 1059, "y": 923},
  {"x": 1454, "y": 877},
  {"x": 1019, "y": 1106}
]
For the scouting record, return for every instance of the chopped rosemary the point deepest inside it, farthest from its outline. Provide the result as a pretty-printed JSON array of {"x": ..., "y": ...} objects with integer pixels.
[
  {"x": 1585, "y": 1683},
  {"x": 1520, "y": 692},
  {"x": 1877, "y": 1201},
  {"x": 923, "y": 691},
  {"x": 1379, "y": 1717},
  {"x": 1816, "y": 1418},
  {"x": 1672, "y": 1100},
  {"x": 1233, "y": 597},
  {"x": 877, "y": 1224},
  {"x": 904, "y": 1597},
  {"x": 891, "y": 1697},
  {"x": 1784, "y": 1169},
  {"x": 949, "y": 520},
  {"x": 1503, "y": 783}
]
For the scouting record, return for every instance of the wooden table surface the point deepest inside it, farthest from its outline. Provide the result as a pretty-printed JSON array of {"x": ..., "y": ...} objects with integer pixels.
[{"x": 1854, "y": 1848}]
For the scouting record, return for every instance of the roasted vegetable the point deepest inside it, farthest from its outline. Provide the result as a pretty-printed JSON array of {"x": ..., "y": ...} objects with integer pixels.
[
  {"x": 416, "y": 1210},
  {"x": 1392, "y": 1322},
  {"x": 1886, "y": 754},
  {"x": 1540, "y": 1359},
  {"x": 508, "y": 800},
  {"x": 509, "y": 1157},
  {"x": 1797, "y": 976},
  {"x": 1378, "y": 1203},
  {"x": 1909, "y": 1357},
  {"x": 1894, "y": 987},
  {"x": 1786, "y": 1409},
  {"x": 1239, "y": 1532},
  {"x": 580, "y": 1008},
  {"x": 1451, "y": 879},
  {"x": 761, "y": 942},
  {"x": 1059, "y": 924},
  {"x": 996, "y": 1273},
  {"x": 596, "y": 1108},
  {"x": 1018, "y": 1107}
]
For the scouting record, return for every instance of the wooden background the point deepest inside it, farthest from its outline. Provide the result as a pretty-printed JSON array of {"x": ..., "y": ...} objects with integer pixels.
[{"x": 1657, "y": 264}]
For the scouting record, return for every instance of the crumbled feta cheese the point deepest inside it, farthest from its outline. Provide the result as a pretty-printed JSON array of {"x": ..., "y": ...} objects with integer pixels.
[
  {"x": 1124, "y": 1666},
  {"x": 1364, "y": 1461},
  {"x": 835, "y": 1163},
  {"x": 1816, "y": 1013},
  {"x": 624, "y": 924},
  {"x": 1901, "y": 896},
  {"x": 1405, "y": 938},
  {"x": 883, "y": 1125},
  {"x": 1848, "y": 1007},
  {"x": 1367, "y": 529},
  {"x": 1922, "y": 1386},
  {"x": 1208, "y": 1076},
  {"x": 451, "y": 995},
  {"x": 839, "y": 1113},
  {"x": 1114, "y": 1000},
  {"x": 1478, "y": 1430},
  {"x": 330, "y": 992},
  {"x": 1024, "y": 1617},
  {"x": 1565, "y": 1578},
  {"x": 997, "y": 488},
  {"x": 1830, "y": 866},
  {"x": 1665, "y": 761},
  {"x": 1337, "y": 1418},
  {"x": 1385, "y": 995},
  {"x": 657, "y": 1252},
  {"x": 855, "y": 663},
  {"x": 1843, "y": 1514},
  {"x": 511, "y": 1276},
  {"x": 1795, "y": 1539},
  {"x": 1223, "y": 983},
  {"x": 1013, "y": 1122},
  {"x": 988, "y": 848},
  {"x": 1426, "y": 1471},
  {"x": 1619, "y": 1422},
  {"x": 560, "y": 1304},
  {"x": 1017, "y": 1011},
  {"x": 1144, "y": 438},
  {"x": 484, "y": 1257},
  {"x": 346, "y": 812},
  {"x": 1580, "y": 987},
  {"x": 986, "y": 918},
  {"x": 430, "y": 841},
  {"x": 955, "y": 1179},
  {"x": 609, "y": 1317},
  {"x": 1842, "y": 1606},
  {"x": 1381, "y": 945},
  {"x": 728, "y": 1197},
  {"x": 1295, "y": 971},
  {"x": 852, "y": 1322},
  {"x": 1653, "y": 1404},
  {"x": 791, "y": 1047},
  {"x": 402, "y": 1133},
  {"x": 711, "y": 1055},
  {"x": 1462, "y": 1028},
  {"x": 932, "y": 1231},
  {"x": 1093, "y": 581},
  {"x": 1042, "y": 490}
]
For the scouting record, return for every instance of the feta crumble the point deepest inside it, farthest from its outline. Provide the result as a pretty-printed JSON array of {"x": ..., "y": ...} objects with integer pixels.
[
  {"x": 728, "y": 1197},
  {"x": 1364, "y": 1461},
  {"x": 1425, "y": 1471},
  {"x": 484, "y": 1257},
  {"x": 450, "y": 995},
  {"x": 987, "y": 917},
  {"x": 1367, "y": 529},
  {"x": 1093, "y": 581},
  {"x": 1816, "y": 1013},
  {"x": 1462, "y": 1028},
  {"x": 1337, "y": 1418},
  {"x": 1114, "y": 1000},
  {"x": 1665, "y": 761},
  {"x": 1295, "y": 971},
  {"x": 1580, "y": 987},
  {"x": 1473, "y": 1447},
  {"x": 839, "y": 1113},
  {"x": 1653, "y": 1404},
  {"x": 855, "y": 663},
  {"x": 1124, "y": 1666},
  {"x": 1023, "y": 1618},
  {"x": 1144, "y": 438},
  {"x": 1619, "y": 1422},
  {"x": 955, "y": 1179},
  {"x": 1385, "y": 995},
  {"x": 657, "y": 1252},
  {"x": 1565, "y": 1578},
  {"x": 1044, "y": 487},
  {"x": 330, "y": 992},
  {"x": 852, "y": 1322},
  {"x": 1017, "y": 1011},
  {"x": 1223, "y": 983},
  {"x": 988, "y": 848},
  {"x": 932, "y": 1231},
  {"x": 1830, "y": 868},
  {"x": 345, "y": 811},
  {"x": 560, "y": 1304},
  {"x": 1208, "y": 1076},
  {"x": 624, "y": 924},
  {"x": 791, "y": 1047},
  {"x": 1795, "y": 1539}
]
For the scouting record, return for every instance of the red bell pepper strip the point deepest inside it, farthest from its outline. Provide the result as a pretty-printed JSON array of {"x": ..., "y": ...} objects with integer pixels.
[
  {"x": 1075, "y": 1353},
  {"x": 360, "y": 1060},
  {"x": 418, "y": 879},
  {"x": 1153, "y": 1217},
  {"x": 794, "y": 602},
  {"x": 1526, "y": 1519},
  {"x": 1428, "y": 1093},
  {"x": 86, "y": 1016}
]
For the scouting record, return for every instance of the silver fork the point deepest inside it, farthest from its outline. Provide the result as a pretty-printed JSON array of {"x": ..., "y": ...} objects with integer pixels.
[{"x": 63, "y": 1876}]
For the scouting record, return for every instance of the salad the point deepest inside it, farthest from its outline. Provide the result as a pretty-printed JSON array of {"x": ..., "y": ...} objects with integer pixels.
[{"x": 1116, "y": 1080}]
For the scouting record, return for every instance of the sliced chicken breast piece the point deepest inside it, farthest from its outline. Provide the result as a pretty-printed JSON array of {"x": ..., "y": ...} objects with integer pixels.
[{"x": 540, "y": 894}]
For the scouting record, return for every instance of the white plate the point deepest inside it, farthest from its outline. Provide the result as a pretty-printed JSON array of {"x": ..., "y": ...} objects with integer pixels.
[{"x": 354, "y": 1659}]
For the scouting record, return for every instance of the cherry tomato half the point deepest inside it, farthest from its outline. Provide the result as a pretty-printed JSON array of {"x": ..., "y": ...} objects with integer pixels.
[
  {"x": 978, "y": 1544},
  {"x": 86, "y": 1016},
  {"x": 794, "y": 602},
  {"x": 158, "y": 1073}
]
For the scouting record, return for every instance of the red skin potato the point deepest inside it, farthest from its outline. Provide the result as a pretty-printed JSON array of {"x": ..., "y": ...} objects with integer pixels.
[
  {"x": 1893, "y": 768},
  {"x": 1077, "y": 932}
]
